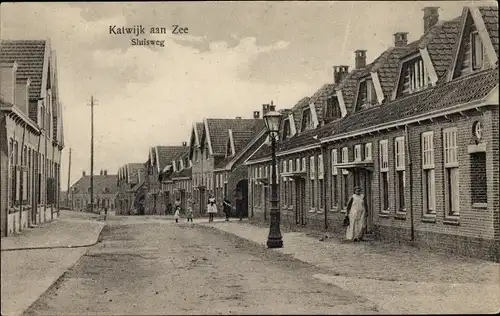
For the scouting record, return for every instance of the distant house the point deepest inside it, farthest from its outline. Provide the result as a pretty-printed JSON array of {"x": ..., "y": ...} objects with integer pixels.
[
  {"x": 130, "y": 178},
  {"x": 105, "y": 189}
]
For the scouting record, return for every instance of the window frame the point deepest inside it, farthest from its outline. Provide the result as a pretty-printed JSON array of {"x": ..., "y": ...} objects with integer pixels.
[
  {"x": 473, "y": 36},
  {"x": 357, "y": 153},
  {"x": 428, "y": 174},
  {"x": 451, "y": 172}
]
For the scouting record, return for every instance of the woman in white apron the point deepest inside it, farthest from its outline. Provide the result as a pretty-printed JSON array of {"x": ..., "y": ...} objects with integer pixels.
[
  {"x": 211, "y": 209},
  {"x": 356, "y": 212}
]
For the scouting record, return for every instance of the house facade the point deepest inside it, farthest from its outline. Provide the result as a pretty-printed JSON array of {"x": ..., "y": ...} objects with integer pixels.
[
  {"x": 129, "y": 178},
  {"x": 32, "y": 134},
  {"x": 105, "y": 191},
  {"x": 416, "y": 129},
  {"x": 157, "y": 165},
  {"x": 217, "y": 148}
]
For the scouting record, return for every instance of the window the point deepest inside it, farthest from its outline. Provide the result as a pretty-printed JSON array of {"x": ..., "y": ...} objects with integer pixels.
[
  {"x": 290, "y": 165},
  {"x": 452, "y": 181},
  {"x": 334, "y": 161},
  {"x": 357, "y": 153},
  {"x": 399, "y": 152},
  {"x": 478, "y": 178},
  {"x": 320, "y": 167},
  {"x": 312, "y": 172},
  {"x": 345, "y": 158},
  {"x": 476, "y": 51},
  {"x": 414, "y": 76},
  {"x": 366, "y": 94},
  {"x": 384, "y": 174},
  {"x": 368, "y": 151},
  {"x": 304, "y": 166},
  {"x": 333, "y": 108},
  {"x": 286, "y": 129},
  {"x": 428, "y": 176},
  {"x": 283, "y": 168},
  {"x": 297, "y": 164},
  {"x": 307, "y": 122}
]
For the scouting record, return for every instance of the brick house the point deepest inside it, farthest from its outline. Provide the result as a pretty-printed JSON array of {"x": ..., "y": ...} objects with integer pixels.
[
  {"x": 33, "y": 134},
  {"x": 217, "y": 149},
  {"x": 159, "y": 160},
  {"x": 417, "y": 129},
  {"x": 178, "y": 182},
  {"x": 129, "y": 176},
  {"x": 105, "y": 187}
]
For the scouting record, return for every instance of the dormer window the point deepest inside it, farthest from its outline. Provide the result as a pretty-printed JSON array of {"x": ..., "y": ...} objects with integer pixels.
[
  {"x": 477, "y": 51},
  {"x": 414, "y": 77},
  {"x": 366, "y": 95},
  {"x": 307, "y": 122},
  {"x": 333, "y": 108},
  {"x": 287, "y": 132}
]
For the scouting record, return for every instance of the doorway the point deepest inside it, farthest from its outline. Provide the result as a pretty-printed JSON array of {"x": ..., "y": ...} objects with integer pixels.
[
  {"x": 300, "y": 189},
  {"x": 202, "y": 200},
  {"x": 242, "y": 197},
  {"x": 363, "y": 178}
]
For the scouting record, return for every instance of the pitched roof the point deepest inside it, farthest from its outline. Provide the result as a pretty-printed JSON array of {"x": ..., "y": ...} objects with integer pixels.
[
  {"x": 460, "y": 91},
  {"x": 199, "y": 129},
  {"x": 218, "y": 130},
  {"x": 168, "y": 153},
  {"x": 490, "y": 17},
  {"x": 186, "y": 172},
  {"x": 100, "y": 182},
  {"x": 29, "y": 55},
  {"x": 387, "y": 66},
  {"x": 133, "y": 172},
  {"x": 320, "y": 97},
  {"x": 349, "y": 86}
]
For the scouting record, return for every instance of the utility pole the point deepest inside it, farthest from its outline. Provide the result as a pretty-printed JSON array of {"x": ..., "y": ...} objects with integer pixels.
[
  {"x": 92, "y": 101},
  {"x": 69, "y": 176}
]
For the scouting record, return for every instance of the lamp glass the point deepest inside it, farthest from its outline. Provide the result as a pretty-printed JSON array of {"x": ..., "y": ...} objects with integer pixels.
[{"x": 272, "y": 120}]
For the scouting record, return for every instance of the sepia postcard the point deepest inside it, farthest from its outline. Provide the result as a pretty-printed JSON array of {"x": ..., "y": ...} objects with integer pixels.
[{"x": 249, "y": 157}]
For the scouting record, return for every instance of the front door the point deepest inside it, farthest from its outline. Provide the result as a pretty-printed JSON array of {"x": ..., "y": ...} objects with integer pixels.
[
  {"x": 183, "y": 200},
  {"x": 300, "y": 189},
  {"x": 364, "y": 179},
  {"x": 202, "y": 200}
]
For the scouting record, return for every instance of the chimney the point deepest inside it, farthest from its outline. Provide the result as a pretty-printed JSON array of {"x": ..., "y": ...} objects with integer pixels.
[
  {"x": 431, "y": 17},
  {"x": 184, "y": 144},
  {"x": 272, "y": 107},
  {"x": 256, "y": 114},
  {"x": 8, "y": 82},
  {"x": 339, "y": 73},
  {"x": 101, "y": 172},
  {"x": 105, "y": 172},
  {"x": 400, "y": 39},
  {"x": 238, "y": 117},
  {"x": 360, "y": 58},
  {"x": 83, "y": 173},
  {"x": 265, "y": 109},
  {"x": 22, "y": 97}
]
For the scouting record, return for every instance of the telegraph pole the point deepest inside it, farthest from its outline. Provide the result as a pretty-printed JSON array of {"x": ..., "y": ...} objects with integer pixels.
[
  {"x": 69, "y": 176},
  {"x": 92, "y": 154}
]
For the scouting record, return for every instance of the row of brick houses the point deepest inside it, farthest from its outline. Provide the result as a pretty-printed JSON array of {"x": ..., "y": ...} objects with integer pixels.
[
  {"x": 31, "y": 134},
  {"x": 417, "y": 129}
]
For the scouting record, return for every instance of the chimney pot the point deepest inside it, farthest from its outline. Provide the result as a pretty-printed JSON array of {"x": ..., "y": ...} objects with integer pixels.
[
  {"x": 184, "y": 144},
  {"x": 339, "y": 73},
  {"x": 256, "y": 114},
  {"x": 400, "y": 39},
  {"x": 360, "y": 58},
  {"x": 431, "y": 17},
  {"x": 265, "y": 109},
  {"x": 238, "y": 117},
  {"x": 105, "y": 172},
  {"x": 101, "y": 172},
  {"x": 83, "y": 173}
]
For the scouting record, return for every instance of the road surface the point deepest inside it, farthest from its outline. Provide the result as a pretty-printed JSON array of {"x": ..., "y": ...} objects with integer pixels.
[{"x": 148, "y": 267}]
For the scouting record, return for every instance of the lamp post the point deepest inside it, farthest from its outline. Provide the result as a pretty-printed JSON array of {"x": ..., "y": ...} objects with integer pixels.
[{"x": 274, "y": 240}]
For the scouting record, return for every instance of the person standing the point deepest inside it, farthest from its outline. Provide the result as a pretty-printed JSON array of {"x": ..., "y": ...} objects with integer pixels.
[
  {"x": 177, "y": 213},
  {"x": 356, "y": 212},
  {"x": 189, "y": 211},
  {"x": 211, "y": 209},
  {"x": 227, "y": 208}
]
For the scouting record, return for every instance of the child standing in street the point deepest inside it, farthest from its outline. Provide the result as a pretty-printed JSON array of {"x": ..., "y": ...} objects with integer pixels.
[
  {"x": 189, "y": 212},
  {"x": 177, "y": 214}
]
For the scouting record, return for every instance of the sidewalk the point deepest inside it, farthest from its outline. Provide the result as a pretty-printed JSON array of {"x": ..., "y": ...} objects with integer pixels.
[
  {"x": 400, "y": 279},
  {"x": 28, "y": 272}
]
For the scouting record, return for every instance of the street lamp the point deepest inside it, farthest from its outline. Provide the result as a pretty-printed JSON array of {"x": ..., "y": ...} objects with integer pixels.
[{"x": 274, "y": 240}]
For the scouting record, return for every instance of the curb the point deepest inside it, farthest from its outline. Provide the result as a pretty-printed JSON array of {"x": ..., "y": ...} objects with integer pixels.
[{"x": 58, "y": 247}]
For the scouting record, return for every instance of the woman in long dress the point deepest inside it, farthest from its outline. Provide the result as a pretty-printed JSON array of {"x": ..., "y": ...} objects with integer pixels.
[
  {"x": 356, "y": 211},
  {"x": 211, "y": 209}
]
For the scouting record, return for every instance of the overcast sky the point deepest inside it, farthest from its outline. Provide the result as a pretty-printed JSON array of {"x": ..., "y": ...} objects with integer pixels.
[{"x": 237, "y": 56}]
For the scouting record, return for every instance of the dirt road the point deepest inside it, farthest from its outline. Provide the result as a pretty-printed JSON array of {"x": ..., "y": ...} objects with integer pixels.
[{"x": 167, "y": 268}]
